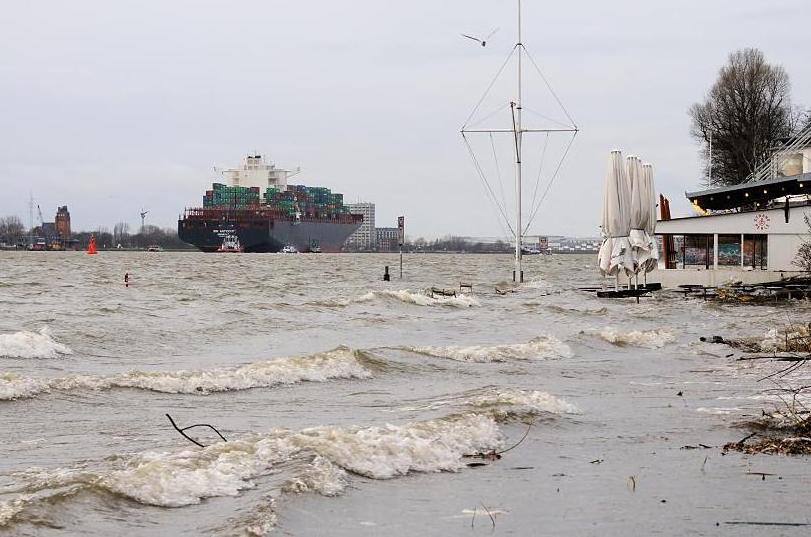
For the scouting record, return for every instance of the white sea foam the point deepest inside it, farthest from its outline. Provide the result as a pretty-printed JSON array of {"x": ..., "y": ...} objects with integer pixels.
[
  {"x": 262, "y": 520},
  {"x": 175, "y": 479},
  {"x": 186, "y": 477},
  {"x": 339, "y": 363},
  {"x": 421, "y": 298},
  {"x": 15, "y": 387},
  {"x": 392, "y": 450},
  {"x": 11, "y": 508},
  {"x": 322, "y": 477},
  {"x": 510, "y": 400},
  {"x": 31, "y": 345},
  {"x": 539, "y": 348},
  {"x": 652, "y": 339},
  {"x": 718, "y": 411}
]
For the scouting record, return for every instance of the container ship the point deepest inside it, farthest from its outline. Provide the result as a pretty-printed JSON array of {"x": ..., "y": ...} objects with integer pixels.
[{"x": 260, "y": 211}]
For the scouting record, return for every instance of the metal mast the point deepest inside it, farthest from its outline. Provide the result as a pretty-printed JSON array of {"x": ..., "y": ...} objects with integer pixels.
[
  {"x": 517, "y": 130},
  {"x": 518, "y": 275}
]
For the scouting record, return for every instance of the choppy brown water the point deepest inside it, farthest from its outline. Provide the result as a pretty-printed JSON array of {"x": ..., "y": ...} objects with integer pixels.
[{"x": 349, "y": 403}]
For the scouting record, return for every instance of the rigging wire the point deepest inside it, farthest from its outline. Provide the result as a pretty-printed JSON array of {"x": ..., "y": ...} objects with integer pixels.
[
  {"x": 540, "y": 172},
  {"x": 551, "y": 180},
  {"x": 542, "y": 116},
  {"x": 549, "y": 87},
  {"x": 492, "y": 83},
  {"x": 486, "y": 183},
  {"x": 498, "y": 171},
  {"x": 488, "y": 116}
]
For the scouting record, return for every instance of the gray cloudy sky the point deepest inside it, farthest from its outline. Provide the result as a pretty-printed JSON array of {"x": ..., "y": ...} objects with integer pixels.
[{"x": 111, "y": 106}]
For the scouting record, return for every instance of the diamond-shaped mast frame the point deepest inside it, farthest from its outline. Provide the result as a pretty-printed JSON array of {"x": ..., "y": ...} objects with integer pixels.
[{"x": 518, "y": 130}]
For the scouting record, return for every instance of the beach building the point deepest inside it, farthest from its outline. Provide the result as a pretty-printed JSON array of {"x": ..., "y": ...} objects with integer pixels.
[{"x": 747, "y": 233}]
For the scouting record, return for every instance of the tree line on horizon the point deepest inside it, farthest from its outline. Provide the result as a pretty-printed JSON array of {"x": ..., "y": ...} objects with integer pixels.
[{"x": 13, "y": 233}]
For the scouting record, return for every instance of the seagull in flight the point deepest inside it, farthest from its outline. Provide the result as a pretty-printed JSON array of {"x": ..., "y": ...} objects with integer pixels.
[{"x": 482, "y": 41}]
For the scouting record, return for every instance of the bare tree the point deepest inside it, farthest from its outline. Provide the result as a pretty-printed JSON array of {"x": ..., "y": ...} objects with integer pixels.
[
  {"x": 121, "y": 233},
  {"x": 802, "y": 258},
  {"x": 11, "y": 229},
  {"x": 746, "y": 113}
]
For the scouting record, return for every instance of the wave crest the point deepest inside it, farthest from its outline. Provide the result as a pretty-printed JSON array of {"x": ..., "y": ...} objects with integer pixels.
[
  {"x": 16, "y": 387},
  {"x": 339, "y": 363},
  {"x": 176, "y": 479},
  {"x": 509, "y": 402},
  {"x": 651, "y": 339},
  {"x": 421, "y": 298},
  {"x": 31, "y": 345},
  {"x": 541, "y": 347}
]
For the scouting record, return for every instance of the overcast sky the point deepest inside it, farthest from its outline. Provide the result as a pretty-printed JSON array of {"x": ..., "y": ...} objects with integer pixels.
[{"x": 113, "y": 106}]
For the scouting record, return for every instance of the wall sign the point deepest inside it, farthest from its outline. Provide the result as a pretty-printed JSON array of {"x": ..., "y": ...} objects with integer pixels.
[{"x": 761, "y": 222}]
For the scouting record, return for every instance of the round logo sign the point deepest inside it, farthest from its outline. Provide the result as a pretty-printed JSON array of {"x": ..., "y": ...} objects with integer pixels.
[{"x": 761, "y": 222}]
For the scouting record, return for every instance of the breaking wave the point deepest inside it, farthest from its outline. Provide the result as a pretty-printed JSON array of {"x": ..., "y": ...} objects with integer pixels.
[
  {"x": 503, "y": 404},
  {"x": 506, "y": 402},
  {"x": 651, "y": 339},
  {"x": 176, "y": 479},
  {"x": 538, "y": 348},
  {"x": 586, "y": 311},
  {"x": 31, "y": 345},
  {"x": 16, "y": 387},
  {"x": 317, "y": 459},
  {"x": 421, "y": 298},
  {"x": 339, "y": 363}
]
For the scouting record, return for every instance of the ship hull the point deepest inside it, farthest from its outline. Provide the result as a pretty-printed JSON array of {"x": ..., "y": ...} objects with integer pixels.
[{"x": 269, "y": 236}]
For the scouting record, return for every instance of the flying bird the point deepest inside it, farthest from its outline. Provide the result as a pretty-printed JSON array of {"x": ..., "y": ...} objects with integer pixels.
[{"x": 482, "y": 41}]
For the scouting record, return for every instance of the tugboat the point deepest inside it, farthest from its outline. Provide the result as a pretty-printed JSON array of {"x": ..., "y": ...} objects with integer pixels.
[
  {"x": 289, "y": 249},
  {"x": 230, "y": 244}
]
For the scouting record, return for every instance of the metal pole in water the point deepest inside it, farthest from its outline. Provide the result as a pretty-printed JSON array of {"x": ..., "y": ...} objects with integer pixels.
[
  {"x": 401, "y": 262},
  {"x": 518, "y": 276}
]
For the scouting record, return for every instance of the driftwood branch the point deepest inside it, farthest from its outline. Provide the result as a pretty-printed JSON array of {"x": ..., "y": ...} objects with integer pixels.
[
  {"x": 492, "y": 519},
  {"x": 529, "y": 426},
  {"x": 190, "y": 439}
]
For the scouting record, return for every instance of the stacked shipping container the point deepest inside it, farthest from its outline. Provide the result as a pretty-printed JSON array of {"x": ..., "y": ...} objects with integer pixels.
[{"x": 312, "y": 202}]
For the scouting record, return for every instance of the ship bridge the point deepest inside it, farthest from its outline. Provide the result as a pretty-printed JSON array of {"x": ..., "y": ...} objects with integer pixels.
[{"x": 254, "y": 171}]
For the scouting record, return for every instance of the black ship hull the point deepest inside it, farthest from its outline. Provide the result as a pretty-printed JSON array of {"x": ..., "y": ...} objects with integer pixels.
[{"x": 268, "y": 235}]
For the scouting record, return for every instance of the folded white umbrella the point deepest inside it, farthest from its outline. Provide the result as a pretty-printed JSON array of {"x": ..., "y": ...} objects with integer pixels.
[
  {"x": 638, "y": 214},
  {"x": 615, "y": 254},
  {"x": 652, "y": 262}
]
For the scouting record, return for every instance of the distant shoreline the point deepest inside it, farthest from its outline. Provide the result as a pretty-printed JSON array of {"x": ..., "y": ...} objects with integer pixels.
[{"x": 192, "y": 250}]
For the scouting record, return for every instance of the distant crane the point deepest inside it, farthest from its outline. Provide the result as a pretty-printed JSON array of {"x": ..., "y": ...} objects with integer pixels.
[
  {"x": 143, "y": 218},
  {"x": 39, "y": 214}
]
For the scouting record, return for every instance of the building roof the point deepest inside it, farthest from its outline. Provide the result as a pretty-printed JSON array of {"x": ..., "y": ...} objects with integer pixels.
[{"x": 760, "y": 192}]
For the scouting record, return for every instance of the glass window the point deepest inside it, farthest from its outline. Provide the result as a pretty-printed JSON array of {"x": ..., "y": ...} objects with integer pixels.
[
  {"x": 698, "y": 251},
  {"x": 729, "y": 250},
  {"x": 755, "y": 252}
]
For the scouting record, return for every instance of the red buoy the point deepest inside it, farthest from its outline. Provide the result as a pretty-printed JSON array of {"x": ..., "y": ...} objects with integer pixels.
[{"x": 91, "y": 246}]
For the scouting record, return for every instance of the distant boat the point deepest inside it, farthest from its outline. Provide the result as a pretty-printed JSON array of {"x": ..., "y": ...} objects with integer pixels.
[
  {"x": 289, "y": 249},
  {"x": 230, "y": 245},
  {"x": 315, "y": 249},
  {"x": 154, "y": 248}
]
